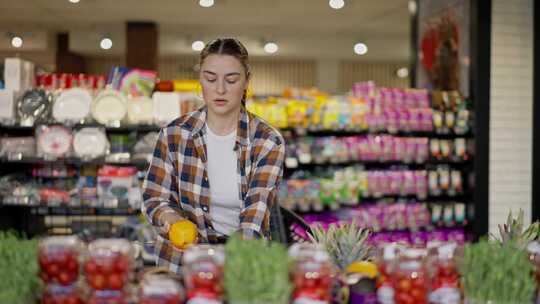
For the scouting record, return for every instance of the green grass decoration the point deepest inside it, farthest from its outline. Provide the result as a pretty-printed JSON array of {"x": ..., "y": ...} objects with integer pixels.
[
  {"x": 256, "y": 271},
  {"x": 19, "y": 281},
  {"x": 497, "y": 273}
]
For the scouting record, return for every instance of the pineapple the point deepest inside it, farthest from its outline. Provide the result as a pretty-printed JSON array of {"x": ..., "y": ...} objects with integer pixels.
[
  {"x": 345, "y": 243},
  {"x": 512, "y": 231}
]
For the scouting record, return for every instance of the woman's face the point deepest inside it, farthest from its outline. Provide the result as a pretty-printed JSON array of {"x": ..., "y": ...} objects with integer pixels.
[{"x": 223, "y": 80}]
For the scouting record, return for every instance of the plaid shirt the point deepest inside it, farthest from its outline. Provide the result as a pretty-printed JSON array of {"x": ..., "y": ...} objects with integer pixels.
[{"x": 177, "y": 179}]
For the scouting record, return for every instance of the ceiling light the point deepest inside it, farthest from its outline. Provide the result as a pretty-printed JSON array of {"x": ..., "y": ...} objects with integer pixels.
[
  {"x": 336, "y": 4},
  {"x": 16, "y": 42},
  {"x": 412, "y": 6},
  {"x": 106, "y": 43},
  {"x": 74, "y": 1},
  {"x": 206, "y": 3},
  {"x": 360, "y": 48},
  {"x": 402, "y": 72},
  {"x": 271, "y": 47},
  {"x": 197, "y": 45}
]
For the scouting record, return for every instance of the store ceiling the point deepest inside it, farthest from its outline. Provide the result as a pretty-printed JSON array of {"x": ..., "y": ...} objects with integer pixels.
[{"x": 302, "y": 28}]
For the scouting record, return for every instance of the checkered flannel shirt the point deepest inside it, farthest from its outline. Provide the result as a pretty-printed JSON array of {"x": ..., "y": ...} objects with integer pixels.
[{"x": 177, "y": 179}]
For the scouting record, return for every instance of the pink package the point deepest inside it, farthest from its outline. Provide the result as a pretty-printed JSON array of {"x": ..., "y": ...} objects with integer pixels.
[
  {"x": 422, "y": 150},
  {"x": 396, "y": 180},
  {"x": 404, "y": 120},
  {"x": 391, "y": 120},
  {"x": 410, "y": 99},
  {"x": 399, "y": 98},
  {"x": 400, "y": 149},
  {"x": 421, "y": 184},
  {"x": 408, "y": 186},
  {"x": 422, "y": 100},
  {"x": 426, "y": 122},
  {"x": 409, "y": 150},
  {"x": 364, "y": 149},
  {"x": 387, "y": 148}
]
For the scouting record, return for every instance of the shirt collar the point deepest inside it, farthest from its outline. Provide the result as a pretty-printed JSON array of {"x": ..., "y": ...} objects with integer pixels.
[{"x": 198, "y": 120}]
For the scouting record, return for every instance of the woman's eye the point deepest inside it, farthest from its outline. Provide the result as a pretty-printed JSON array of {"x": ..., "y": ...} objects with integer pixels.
[
  {"x": 231, "y": 81},
  {"x": 210, "y": 80}
]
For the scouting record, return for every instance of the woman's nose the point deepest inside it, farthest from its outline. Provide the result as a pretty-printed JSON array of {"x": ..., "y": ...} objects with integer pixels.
[{"x": 221, "y": 89}]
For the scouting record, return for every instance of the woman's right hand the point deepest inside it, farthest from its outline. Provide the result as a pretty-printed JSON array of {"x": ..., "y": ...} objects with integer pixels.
[{"x": 168, "y": 219}]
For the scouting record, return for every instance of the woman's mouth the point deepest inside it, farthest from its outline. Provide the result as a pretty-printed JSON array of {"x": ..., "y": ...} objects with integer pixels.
[{"x": 220, "y": 102}]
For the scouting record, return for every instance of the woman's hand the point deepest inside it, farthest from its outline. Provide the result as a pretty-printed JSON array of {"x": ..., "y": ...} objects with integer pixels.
[{"x": 168, "y": 219}]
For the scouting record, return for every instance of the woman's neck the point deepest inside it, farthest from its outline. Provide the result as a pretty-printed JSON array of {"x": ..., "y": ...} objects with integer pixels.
[{"x": 222, "y": 124}]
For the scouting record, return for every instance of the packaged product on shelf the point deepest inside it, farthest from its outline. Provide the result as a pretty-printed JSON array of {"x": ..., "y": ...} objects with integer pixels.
[
  {"x": 312, "y": 274},
  {"x": 140, "y": 110},
  {"x": 386, "y": 264},
  {"x": 462, "y": 125},
  {"x": 410, "y": 278},
  {"x": 16, "y": 148},
  {"x": 87, "y": 185},
  {"x": 8, "y": 100},
  {"x": 109, "y": 108},
  {"x": 54, "y": 294},
  {"x": 60, "y": 260},
  {"x": 33, "y": 107},
  {"x": 18, "y": 74},
  {"x": 132, "y": 82},
  {"x": 144, "y": 148},
  {"x": 72, "y": 106},
  {"x": 120, "y": 150},
  {"x": 90, "y": 143},
  {"x": 109, "y": 265},
  {"x": 53, "y": 142},
  {"x": 166, "y": 107},
  {"x": 115, "y": 185},
  {"x": 533, "y": 251},
  {"x": 203, "y": 274},
  {"x": 445, "y": 285},
  {"x": 160, "y": 289}
]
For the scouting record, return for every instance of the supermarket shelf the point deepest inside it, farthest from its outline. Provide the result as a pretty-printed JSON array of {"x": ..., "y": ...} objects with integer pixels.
[
  {"x": 300, "y": 132},
  {"x": 378, "y": 165},
  {"x": 75, "y": 211},
  {"x": 121, "y": 129},
  {"x": 429, "y": 134},
  {"x": 72, "y": 161}
]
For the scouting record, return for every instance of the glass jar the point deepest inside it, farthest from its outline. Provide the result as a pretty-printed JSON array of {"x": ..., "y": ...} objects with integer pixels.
[
  {"x": 59, "y": 259},
  {"x": 160, "y": 289},
  {"x": 58, "y": 294},
  {"x": 109, "y": 264},
  {"x": 203, "y": 274},
  {"x": 311, "y": 273},
  {"x": 445, "y": 282},
  {"x": 410, "y": 278}
]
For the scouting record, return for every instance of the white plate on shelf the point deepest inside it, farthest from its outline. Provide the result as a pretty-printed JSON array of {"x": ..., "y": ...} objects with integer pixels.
[
  {"x": 90, "y": 143},
  {"x": 72, "y": 105},
  {"x": 55, "y": 141},
  {"x": 109, "y": 107},
  {"x": 140, "y": 110}
]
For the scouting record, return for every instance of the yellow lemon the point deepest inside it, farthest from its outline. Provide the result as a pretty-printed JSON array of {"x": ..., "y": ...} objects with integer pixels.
[
  {"x": 183, "y": 233},
  {"x": 367, "y": 268}
]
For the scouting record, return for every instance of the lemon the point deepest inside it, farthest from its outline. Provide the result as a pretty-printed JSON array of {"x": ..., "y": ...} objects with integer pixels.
[
  {"x": 367, "y": 268},
  {"x": 182, "y": 234}
]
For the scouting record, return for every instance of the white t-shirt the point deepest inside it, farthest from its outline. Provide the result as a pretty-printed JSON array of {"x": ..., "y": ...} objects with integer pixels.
[{"x": 225, "y": 203}]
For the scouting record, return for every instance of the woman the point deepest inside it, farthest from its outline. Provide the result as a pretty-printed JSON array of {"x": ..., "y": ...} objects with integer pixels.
[{"x": 217, "y": 167}]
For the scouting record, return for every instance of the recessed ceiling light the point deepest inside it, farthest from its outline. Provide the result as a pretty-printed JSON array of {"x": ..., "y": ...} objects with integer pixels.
[
  {"x": 106, "y": 43},
  {"x": 16, "y": 42},
  {"x": 271, "y": 47},
  {"x": 360, "y": 48},
  {"x": 206, "y": 3},
  {"x": 336, "y": 4},
  {"x": 402, "y": 72},
  {"x": 412, "y": 7},
  {"x": 197, "y": 45},
  {"x": 75, "y": 1}
]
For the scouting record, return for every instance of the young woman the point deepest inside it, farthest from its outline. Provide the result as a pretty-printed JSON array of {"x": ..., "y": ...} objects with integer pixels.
[{"x": 218, "y": 167}]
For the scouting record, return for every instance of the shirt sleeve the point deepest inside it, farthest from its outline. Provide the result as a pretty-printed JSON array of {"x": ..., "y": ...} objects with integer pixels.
[
  {"x": 160, "y": 187},
  {"x": 265, "y": 178}
]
